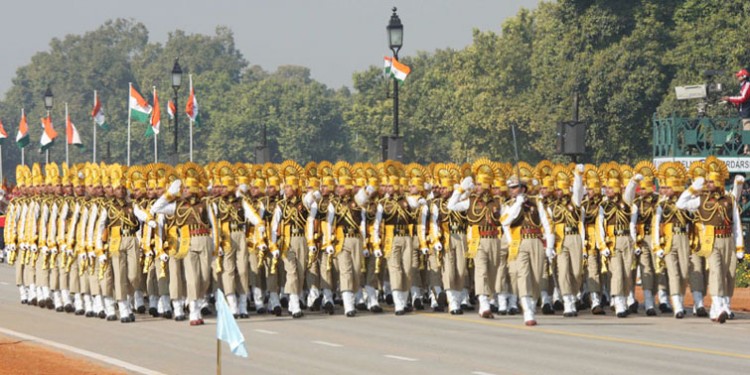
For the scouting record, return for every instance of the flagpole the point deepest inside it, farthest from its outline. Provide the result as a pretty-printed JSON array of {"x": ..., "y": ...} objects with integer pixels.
[
  {"x": 46, "y": 151},
  {"x": 67, "y": 157},
  {"x": 23, "y": 149},
  {"x": 156, "y": 147},
  {"x": 191, "y": 121},
  {"x": 94, "y": 119},
  {"x": 130, "y": 89},
  {"x": 1, "y": 163},
  {"x": 218, "y": 357}
]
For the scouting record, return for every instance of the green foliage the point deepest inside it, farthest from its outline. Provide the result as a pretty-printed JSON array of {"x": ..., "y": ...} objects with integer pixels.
[{"x": 622, "y": 57}]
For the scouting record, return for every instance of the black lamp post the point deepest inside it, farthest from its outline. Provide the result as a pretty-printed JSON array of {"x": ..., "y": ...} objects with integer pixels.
[
  {"x": 176, "y": 83},
  {"x": 395, "y": 41}
]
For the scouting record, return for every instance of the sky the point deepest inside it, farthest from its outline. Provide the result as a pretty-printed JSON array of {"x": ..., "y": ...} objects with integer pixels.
[{"x": 334, "y": 38}]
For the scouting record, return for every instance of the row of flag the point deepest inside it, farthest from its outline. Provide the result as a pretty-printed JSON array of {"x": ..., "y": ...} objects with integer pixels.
[{"x": 140, "y": 111}]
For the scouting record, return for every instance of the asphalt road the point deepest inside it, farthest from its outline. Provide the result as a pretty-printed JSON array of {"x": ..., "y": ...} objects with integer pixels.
[{"x": 422, "y": 343}]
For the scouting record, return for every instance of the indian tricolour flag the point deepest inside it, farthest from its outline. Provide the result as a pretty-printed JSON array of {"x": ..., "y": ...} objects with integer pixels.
[
  {"x": 155, "y": 117},
  {"x": 98, "y": 112},
  {"x": 387, "y": 63},
  {"x": 71, "y": 133},
  {"x": 399, "y": 71},
  {"x": 3, "y": 133},
  {"x": 171, "y": 109},
  {"x": 48, "y": 133},
  {"x": 140, "y": 110},
  {"x": 22, "y": 138},
  {"x": 192, "y": 105}
]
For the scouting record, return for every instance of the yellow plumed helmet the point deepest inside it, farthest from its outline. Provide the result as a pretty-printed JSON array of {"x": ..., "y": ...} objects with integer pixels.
[
  {"x": 21, "y": 178},
  {"x": 672, "y": 174},
  {"x": 697, "y": 169},
  {"x": 525, "y": 172},
  {"x": 591, "y": 177},
  {"x": 562, "y": 176},
  {"x": 543, "y": 169},
  {"x": 223, "y": 174},
  {"x": 37, "y": 179},
  {"x": 612, "y": 175},
  {"x": 117, "y": 173},
  {"x": 65, "y": 174},
  {"x": 242, "y": 173},
  {"x": 104, "y": 174},
  {"x": 325, "y": 168},
  {"x": 483, "y": 166},
  {"x": 647, "y": 169},
  {"x": 137, "y": 177},
  {"x": 717, "y": 170},
  {"x": 627, "y": 173},
  {"x": 52, "y": 174},
  {"x": 192, "y": 175},
  {"x": 342, "y": 168},
  {"x": 311, "y": 169}
]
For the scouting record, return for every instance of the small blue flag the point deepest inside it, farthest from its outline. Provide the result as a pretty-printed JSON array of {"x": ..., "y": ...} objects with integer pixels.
[{"x": 227, "y": 329}]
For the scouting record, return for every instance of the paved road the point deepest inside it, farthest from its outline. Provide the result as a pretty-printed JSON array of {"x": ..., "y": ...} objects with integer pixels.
[{"x": 424, "y": 343}]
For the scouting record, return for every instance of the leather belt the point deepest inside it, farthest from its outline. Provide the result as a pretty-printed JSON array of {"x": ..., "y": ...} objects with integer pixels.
[
  {"x": 722, "y": 232},
  {"x": 200, "y": 232},
  {"x": 401, "y": 230},
  {"x": 622, "y": 232},
  {"x": 679, "y": 230},
  {"x": 529, "y": 233},
  {"x": 236, "y": 227},
  {"x": 489, "y": 233},
  {"x": 296, "y": 231},
  {"x": 571, "y": 230},
  {"x": 128, "y": 231}
]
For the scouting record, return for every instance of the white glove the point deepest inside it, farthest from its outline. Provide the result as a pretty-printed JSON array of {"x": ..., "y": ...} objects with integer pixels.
[
  {"x": 44, "y": 249},
  {"x": 81, "y": 258},
  {"x": 378, "y": 253},
  {"x": 221, "y": 252},
  {"x": 22, "y": 246},
  {"x": 10, "y": 247},
  {"x": 102, "y": 258},
  {"x": 241, "y": 190},
  {"x": 421, "y": 202},
  {"x": 262, "y": 247},
  {"x": 33, "y": 248},
  {"x": 69, "y": 252},
  {"x": 369, "y": 190},
  {"x": 63, "y": 248},
  {"x": 606, "y": 252},
  {"x": 550, "y": 252},
  {"x": 638, "y": 177},
  {"x": 148, "y": 254},
  {"x": 438, "y": 247},
  {"x": 262, "y": 229},
  {"x": 579, "y": 168},
  {"x": 151, "y": 224},
  {"x": 740, "y": 254},
  {"x": 53, "y": 250},
  {"x": 739, "y": 179},
  {"x": 330, "y": 250},
  {"x": 698, "y": 184},
  {"x": 312, "y": 249},
  {"x": 585, "y": 255},
  {"x": 637, "y": 251},
  {"x": 91, "y": 255},
  {"x": 366, "y": 253},
  {"x": 275, "y": 253},
  {"x": 521, "y": 198},
  {"x": 175, "y": 187},
  {"x": 427, "y": 186},
  {"x": 425, "y": 251},
  {"x": 467, "y": 183},
  {"x": 164, "y": 258},
  {"x": 660, "y": 253}
]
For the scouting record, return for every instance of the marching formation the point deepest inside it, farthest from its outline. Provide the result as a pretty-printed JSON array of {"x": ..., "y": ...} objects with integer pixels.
[{"x": 110, "y": 241}]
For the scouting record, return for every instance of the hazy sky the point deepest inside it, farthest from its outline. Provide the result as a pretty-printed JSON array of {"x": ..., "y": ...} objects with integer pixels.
[{"x": 334, "y": 38}]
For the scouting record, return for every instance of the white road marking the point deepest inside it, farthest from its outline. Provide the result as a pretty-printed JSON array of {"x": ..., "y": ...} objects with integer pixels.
[
  {"x": 3, "y": 283},
  {"x": 99, "y": 357},
  {"x": 266, "y": 332},
  {"x": 400, "y": 358},
  {"x": 482, "y": 373},
  {"x": 324, "y": 343}
]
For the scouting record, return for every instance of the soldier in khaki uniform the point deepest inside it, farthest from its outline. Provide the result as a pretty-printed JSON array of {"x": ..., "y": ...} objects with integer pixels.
[
  {"x": 614, "y": 222},
  {"x": 590, "y": 207},
  {"x": 718, "y": 220}
]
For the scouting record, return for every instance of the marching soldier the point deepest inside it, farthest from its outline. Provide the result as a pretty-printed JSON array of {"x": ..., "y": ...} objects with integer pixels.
[
  {"x": 720, "y": 231},
  {"x": 590, "y": 207}
]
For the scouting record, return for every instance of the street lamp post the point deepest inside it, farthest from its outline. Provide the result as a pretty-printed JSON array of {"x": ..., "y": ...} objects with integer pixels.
[
  {"x": 48, "y": 101},
  {"x": 176, "y": 83},
  {"x": 394, "y": 144}
]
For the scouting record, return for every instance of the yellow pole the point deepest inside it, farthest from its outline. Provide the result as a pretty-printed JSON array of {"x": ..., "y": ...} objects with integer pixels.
[{"x": 218, "y": 357}]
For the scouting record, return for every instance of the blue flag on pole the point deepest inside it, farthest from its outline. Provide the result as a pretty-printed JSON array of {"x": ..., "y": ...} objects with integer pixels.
[{"x": 226, "y": 327}]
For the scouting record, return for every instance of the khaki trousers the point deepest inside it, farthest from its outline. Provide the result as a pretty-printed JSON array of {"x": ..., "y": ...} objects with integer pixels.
[
  {"x": 295, "y": 261},
  {"x": 177, "y": 280},
  {"x": 621, "y": 267},
  {"x": 486, "y": 263},
  {"x": 348, "y": 264},
  {"x": 570, "y": 264},
  {"x": 126, "y": 267},
  {"x": 501, "y": 280},
  {"x": 106, "y": 285},
  {"x": 593, "y": 272},
  {"x": 454, "y": 262},
  {"x": 530, "y": 266},
  {"x": 719, "y": 262},
  {"x": 646, "y": 263},
  {"x": 74, "y": 282},
  {"x": 677, "y": 261},
  {"x": 400, "y": 263},
  {"x": 197, "y": 267}
]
